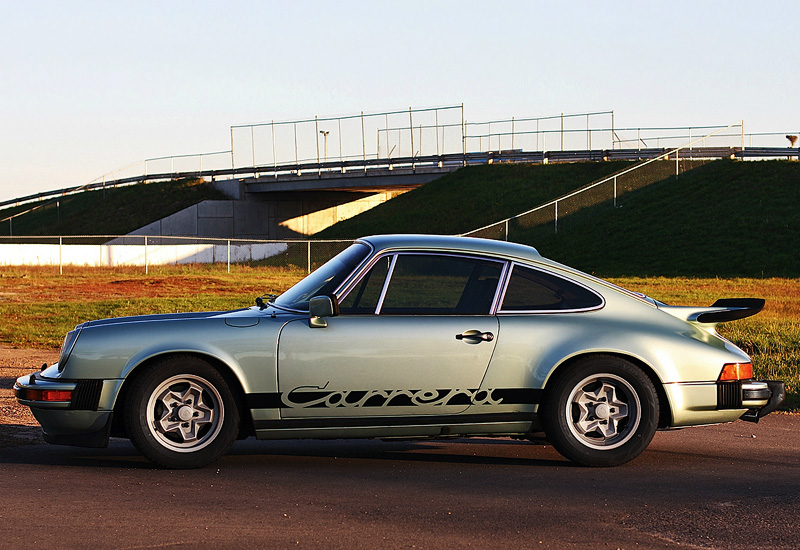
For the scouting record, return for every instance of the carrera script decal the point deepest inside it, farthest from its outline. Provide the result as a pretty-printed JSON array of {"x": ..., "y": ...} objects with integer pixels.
[
  {"x": 316, "y": 397},
  {"x": 306, "y": 397}
]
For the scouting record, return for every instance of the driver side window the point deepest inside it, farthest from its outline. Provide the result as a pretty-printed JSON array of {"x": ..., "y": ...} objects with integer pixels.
[{"x": 426, "y": 284}]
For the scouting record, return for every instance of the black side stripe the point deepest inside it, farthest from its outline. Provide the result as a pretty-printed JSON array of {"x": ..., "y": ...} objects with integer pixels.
[
  {"x": 371, "y": 422},
  {"x": 334, "y": 399}
]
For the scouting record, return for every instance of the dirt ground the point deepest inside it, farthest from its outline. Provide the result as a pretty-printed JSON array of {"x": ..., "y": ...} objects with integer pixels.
[{"x": 17, "y": 424}]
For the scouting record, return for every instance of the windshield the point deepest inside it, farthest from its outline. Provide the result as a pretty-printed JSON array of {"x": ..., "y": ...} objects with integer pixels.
[{"x": 324, "y": 280}]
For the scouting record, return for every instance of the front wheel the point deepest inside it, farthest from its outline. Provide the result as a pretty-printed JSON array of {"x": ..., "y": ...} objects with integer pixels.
[
  {"x": 603, "y": 411},
  {"x": 180, "y": 413}
]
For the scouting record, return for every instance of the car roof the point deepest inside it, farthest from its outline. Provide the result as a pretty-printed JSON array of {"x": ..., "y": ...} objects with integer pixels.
[{"x": 453, "y": 243}]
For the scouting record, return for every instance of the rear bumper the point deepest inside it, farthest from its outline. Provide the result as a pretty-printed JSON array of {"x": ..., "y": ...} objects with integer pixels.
[
  {"x": 775, "y": 392},
  {"x": 700, "y": 403}
]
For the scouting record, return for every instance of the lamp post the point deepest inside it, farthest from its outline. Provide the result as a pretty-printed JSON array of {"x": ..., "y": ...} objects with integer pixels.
[{"x": 325, "y": 136}]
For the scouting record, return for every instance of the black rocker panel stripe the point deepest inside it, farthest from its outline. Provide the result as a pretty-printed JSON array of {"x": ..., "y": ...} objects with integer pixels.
[
  {"x": 392, "y": 398},
  {"x": 356, "y": 422}
]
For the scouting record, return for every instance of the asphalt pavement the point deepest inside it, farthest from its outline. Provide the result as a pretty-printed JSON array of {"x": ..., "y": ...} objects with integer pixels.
[{"x": 734, "y": 486}]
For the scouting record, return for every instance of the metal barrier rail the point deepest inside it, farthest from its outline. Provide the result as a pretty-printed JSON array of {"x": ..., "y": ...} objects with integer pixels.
[
  {"x": 151, "y": 250},
  {"x": 685, "y": 152},
  {"x": 352, "y": 167}
]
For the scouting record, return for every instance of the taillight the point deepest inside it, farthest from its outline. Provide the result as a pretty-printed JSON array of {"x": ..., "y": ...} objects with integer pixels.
[
  {"x": 736, "y": 371},
  {"x": 45, "y": 395}
]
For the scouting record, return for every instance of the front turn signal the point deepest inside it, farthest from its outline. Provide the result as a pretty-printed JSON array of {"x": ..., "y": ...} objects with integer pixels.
[
  {"x": 736, "y": 371},
  {"x": 44, "y": 395}
]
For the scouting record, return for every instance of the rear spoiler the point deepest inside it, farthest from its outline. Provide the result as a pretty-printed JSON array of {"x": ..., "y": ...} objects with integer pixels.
[{"x": 726, "y": 309}]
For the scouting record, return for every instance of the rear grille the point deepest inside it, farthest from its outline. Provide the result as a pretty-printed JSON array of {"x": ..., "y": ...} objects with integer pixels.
[
  {"x": 86, "y": 396},
  {"x": 729, "y": 395}
]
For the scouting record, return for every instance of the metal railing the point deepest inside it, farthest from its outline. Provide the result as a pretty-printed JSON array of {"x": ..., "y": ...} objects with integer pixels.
[
  {"x": 147, "y": 251},
  {"x": 657, "y": 168},
  {"x": 435, "y": 138}
]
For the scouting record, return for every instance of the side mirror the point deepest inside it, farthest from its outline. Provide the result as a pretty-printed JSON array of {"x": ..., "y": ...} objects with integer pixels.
[{"x": 320, "y": 307}]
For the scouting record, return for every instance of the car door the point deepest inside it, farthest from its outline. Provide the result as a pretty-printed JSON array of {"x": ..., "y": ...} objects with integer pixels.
[{"x": 414, "y": 337}]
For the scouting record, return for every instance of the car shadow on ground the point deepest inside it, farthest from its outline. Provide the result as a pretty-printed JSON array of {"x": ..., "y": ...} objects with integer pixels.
[{"x": 122, "y": 454}]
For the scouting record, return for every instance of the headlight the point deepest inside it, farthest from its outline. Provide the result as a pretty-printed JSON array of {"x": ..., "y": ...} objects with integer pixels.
[{"x": 66, "y": 347}]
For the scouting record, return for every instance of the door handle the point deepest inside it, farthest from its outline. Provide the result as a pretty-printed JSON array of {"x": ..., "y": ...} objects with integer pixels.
[{"x": 473, "y": 335}]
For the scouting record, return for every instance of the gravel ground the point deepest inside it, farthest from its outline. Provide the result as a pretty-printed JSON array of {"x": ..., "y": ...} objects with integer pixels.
[{"x": 17, "y": 424}]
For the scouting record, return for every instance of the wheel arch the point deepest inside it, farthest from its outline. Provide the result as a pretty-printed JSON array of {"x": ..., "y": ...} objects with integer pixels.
[
  {"x": 664, "y": 409},
  {"x": 235, "y": 385}
]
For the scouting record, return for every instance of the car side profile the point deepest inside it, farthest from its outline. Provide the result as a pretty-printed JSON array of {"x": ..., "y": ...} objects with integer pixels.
[{"x": 407, "y": 337}]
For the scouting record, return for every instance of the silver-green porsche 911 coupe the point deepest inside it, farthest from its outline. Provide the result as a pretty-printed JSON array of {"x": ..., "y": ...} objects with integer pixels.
[{"x": 407, "y": 337}]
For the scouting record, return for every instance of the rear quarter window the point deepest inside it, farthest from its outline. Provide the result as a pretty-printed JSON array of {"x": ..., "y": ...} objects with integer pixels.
[{"x": 534, "y": 290}]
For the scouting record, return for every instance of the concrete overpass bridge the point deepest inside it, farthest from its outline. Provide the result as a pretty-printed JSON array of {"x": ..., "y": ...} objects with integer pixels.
[{"x": 297, "y": 200}]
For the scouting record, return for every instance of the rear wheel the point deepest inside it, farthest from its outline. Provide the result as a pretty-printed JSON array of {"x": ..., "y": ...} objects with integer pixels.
[
  {"x": 602, "y": 412},
  {"x": 180, "y": 413}
]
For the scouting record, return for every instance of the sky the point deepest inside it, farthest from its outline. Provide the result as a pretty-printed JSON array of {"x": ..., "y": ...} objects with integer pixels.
[{"x": 88, "y": 87}]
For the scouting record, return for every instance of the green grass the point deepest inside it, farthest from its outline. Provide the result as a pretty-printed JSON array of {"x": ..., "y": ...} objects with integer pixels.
[
  {"x": 472, "y": 197},
  {"x": 726, "y": 219},
  {"x": 116, "y": 211},
  {"x": 38, "y": 306}
]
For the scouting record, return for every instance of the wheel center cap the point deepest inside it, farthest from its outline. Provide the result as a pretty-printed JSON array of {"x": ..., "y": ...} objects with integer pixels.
[
  {"x": 185, "y": 413},
  {"x": 601, "y": 411}
]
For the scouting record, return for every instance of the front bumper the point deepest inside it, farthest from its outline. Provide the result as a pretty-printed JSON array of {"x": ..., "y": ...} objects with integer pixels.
[{"x": 71, "y": 412}]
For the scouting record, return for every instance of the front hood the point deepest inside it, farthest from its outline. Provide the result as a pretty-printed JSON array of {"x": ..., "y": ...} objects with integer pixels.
[
  {"x": 251, "y": 312},
  {"x": 156, "y": 317}
]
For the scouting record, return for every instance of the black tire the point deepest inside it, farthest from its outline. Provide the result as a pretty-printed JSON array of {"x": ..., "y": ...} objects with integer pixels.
[
  {"x": 180, "y": 413},
  {"x": 601, "y": 411}
]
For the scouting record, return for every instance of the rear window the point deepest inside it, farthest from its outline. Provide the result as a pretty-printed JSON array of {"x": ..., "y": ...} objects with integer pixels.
[{"x": 534, "y": 290}]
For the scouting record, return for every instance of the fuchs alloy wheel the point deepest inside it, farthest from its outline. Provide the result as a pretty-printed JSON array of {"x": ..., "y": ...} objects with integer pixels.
[
  {"x": 603, "y": 411},
  {"x": 180, "y": 413}
]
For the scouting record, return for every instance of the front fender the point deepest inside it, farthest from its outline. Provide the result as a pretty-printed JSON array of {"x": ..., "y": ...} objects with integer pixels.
[{"x": 116, "y": 351}]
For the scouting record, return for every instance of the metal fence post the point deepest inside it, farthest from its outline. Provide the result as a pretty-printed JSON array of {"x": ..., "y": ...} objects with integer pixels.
[
  {"x": 60, "y": 264},
  {"x": 274, "y": 151},
  {"x": 677, "y": 162},
  {"x": 437, "y": 131},
  {"x": 742, "y": 125},
  {"x": 309, "y": 256},
  {"x": 316, "y": 139},
  {"x": 512, "y": 132},
  {"x": 233, "y": 165},
  {"x": 296, "y": 157},
  {"x": 253, "y": 144},
  {"x": 364, "y": 141},
  {"x": 612, "y": 132},
  {"x": 506, "y": 229},
  {"x": 145, "y": 255},
  {"x": 615, "y": 191},
  {"x": 556, "y": 221},
  {"x": 341, "y": 160},
  {"x": 463, "y": 134},
  {"x": 229, "y": 256},
  {"x": 411, "y": 132}
]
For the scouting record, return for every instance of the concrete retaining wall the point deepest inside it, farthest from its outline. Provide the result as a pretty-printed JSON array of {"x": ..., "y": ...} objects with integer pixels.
[{"x": 118, "y": 254}]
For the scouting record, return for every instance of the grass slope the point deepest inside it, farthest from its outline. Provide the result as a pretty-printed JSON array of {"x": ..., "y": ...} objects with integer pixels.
[
  {"x": 115, "y": 212},
  {"x": 472, "y": 197},
  {"x": 723, "y": 219}
]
